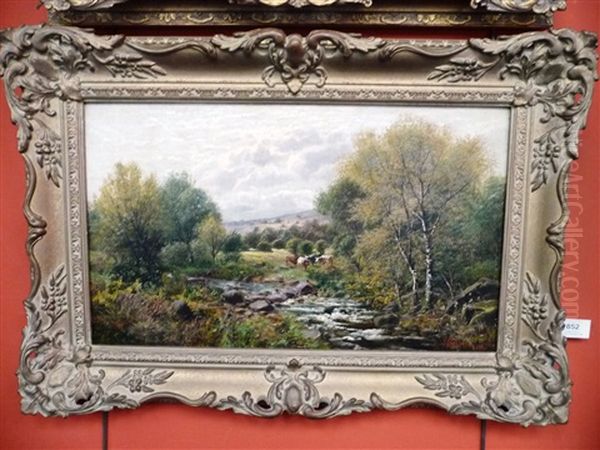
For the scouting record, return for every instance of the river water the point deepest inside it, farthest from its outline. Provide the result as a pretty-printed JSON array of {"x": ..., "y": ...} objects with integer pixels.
[{"x": 343, "y": 322}]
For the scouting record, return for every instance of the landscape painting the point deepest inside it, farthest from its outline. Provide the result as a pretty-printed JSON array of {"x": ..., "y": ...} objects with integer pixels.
[{"x": 296, "y": 226}]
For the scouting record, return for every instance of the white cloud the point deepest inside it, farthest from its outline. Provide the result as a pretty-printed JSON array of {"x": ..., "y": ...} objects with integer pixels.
[{"x": 259, "y": 161}]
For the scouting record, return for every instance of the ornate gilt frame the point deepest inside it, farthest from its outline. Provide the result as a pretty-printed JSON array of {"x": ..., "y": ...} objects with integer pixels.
[
  {"x": 381, "y": 13},
  {"x": 546, "y": 80}
]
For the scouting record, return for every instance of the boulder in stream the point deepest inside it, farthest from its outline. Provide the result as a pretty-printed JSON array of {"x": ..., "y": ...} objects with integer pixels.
[
  {"x": 388, "y": 320},
  {"x": 182, "y": 310},
  {"x": 261, "y": 306},
  {"x": 276, "y": 298},
  {"x": 233, "y": 297},
  {"x": 484, "y": 289},
  {"x": 311, "y": 333},
  {"x": 305, "y": 288}
]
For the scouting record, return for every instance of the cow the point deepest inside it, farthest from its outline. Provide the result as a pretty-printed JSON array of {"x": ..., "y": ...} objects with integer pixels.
[
  {"x": 325, "y": 260},
  {"x": 303, "y": 261}
]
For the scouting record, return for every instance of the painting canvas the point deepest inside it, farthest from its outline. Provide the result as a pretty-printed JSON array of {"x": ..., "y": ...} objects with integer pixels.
[{"x": 298, "y": 226}]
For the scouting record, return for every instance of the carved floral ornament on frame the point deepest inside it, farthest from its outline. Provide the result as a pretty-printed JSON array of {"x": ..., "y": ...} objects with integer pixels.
[
  {"x": 536, "y": 6},
  {"x": 545, "y": 79}
]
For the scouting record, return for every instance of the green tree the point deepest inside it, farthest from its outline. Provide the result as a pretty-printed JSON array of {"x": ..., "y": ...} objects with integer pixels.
[
  {"x": 473, "y": 238},
  {"x": 128, "y": 223},
  {"x": 213, "y": 234},
  {"x": 292, "y": 245},
  {"x": 233, "y": 243},
  {"x": 320, "y": 246},
  {"x": 305, "y": 248},
  {"x": 414, "y": 176},
  {"x": 184, "y": 206},
  {"x": 338, "y": 202},
  {"x": 252, "y": 238},
  {"x": 268, "y": 234},
  {"x": 279, "y": 243},
  {"x": 263, "y": 246}
]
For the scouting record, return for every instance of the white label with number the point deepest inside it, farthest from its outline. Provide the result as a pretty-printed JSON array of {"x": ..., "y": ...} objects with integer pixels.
[{"x": 577, "y": 328}]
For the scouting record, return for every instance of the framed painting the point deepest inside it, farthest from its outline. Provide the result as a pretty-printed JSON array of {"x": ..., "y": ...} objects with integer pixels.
[{"x": 310, "y": 224}]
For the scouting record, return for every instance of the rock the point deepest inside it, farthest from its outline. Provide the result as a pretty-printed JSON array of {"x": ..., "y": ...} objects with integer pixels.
[
  {"x": 289, "y": 293},
  {"x": 483, "y": 289},
  {"x": 373, "y": 342},
  {"x": 484, "y": 312},
  {"x": 202, "y": 281},
  {"x": 419, "y": 343},
  {"x": 386, "y": 320},
  {"x": 233, "y": 297},
  {"x": 276, "y": 298},
  {"x": 261, "y": 306},
  {"x": 393, "y": 307},
  {"x": 343, "y": 345},
  {"x": 329, "y": 309},
  {"x": 305, "y": 288},
  {"x": 182, "y": 310},
  {"x": 311, "y": 333}
]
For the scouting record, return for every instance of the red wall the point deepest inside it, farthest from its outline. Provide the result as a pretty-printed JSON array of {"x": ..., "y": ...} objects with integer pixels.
[{"x": 178, "y": 426}]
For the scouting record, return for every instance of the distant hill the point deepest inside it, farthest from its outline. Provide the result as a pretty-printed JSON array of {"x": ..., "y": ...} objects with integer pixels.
[{"x": 284, "y": 221}]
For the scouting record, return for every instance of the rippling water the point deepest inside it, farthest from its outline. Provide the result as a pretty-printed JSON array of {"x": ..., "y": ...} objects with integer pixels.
[{"x": 343, "y": 322}]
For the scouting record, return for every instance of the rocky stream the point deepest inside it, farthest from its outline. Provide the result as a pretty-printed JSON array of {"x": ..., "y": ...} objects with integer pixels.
[{"x": 343, "y": 323}]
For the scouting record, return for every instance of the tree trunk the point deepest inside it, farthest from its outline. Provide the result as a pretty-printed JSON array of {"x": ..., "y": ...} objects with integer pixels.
[
  {"x": 427, "y": 300},
  {"x": 428, "y": 250},
  {"x": 190, "y": 253},
  {"x": 410, "y": 264}
]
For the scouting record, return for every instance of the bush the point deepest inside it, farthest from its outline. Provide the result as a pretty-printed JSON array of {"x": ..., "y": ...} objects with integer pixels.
[
  {"x": 278, "y": 243},
  {"x": 175, "y": 255},
  {"x": 329, "y": 281},
  {"x": 252, "y": 239},
  {"x": 320, "y": 246},
  {"x": 305, "y": 248},
  {"x": 201, "y": 254},
  {"x": 129, "y": 316},
  {"x": 267, "y": 332},
  {"x": 370, "y": 287},
  {"x": 101, "y": 262},
  {"x": 173, "y": 284},
  {"x": 231, "y": 257},
  {"x": 292, "y": 245},
  {"x": 240, "y": 270},
  {"x": 263, "y": 246},
  {"x": 233, "y": 243},
  {"x": 482, "y": 269}
]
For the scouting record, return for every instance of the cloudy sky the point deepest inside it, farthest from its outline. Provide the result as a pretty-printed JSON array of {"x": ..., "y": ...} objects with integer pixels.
[{"x": 259, "y": 161}]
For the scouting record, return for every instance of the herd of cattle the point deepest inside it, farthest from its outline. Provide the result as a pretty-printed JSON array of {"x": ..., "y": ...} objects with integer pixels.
[{"x": 305, "y": 261}]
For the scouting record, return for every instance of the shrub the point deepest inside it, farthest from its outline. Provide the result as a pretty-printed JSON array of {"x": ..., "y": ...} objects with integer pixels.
[
  {"x": 175, "y": 255},
  {"x": 292, "y": 245},
  {"x": 252, "y": 239},
  {"x": 278, "y": 243},
  {"x": 201, "y": 254},
  {"x": 370, "y": 287},
  {"x": 233, "y": 243},
  {"x": 320, "y": 246},
  {"x": 329, "y": 281},
  {"x": 305, "y": 248},
  {"x": 121, "y": 315},
  {"x": 263, "y": 246},
  {"x": 231, "y": 257},
  {"x": 240, "y": 270},
  {"x": 266, "y": 332},
  {"x": 101, "y": 262}
]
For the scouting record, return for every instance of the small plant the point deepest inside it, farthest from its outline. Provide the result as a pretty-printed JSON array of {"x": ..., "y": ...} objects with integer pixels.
[{"x": 266, "y": 332}]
